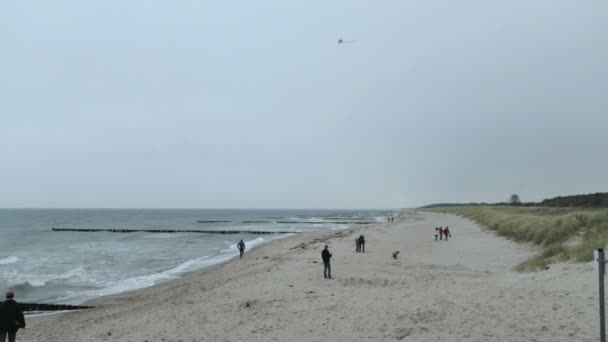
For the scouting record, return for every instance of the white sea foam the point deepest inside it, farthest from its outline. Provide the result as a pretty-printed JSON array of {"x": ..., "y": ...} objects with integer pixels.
[
  {"x": 71, "y": 273},
  {"x": 248, "y": 244},
  {"x": 27, "y": 282},
  {"x": 164, "y": 235},
  {"x": 380, "y": 218},
  {"x": 9, "y": 260},
  {"x": 143, "y": 281},
  {"x": 36, "y": 282}
]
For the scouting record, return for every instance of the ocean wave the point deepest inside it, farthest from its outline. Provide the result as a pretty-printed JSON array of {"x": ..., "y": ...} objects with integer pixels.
[
  {"x": 249, "y": 244},
  {"x": 148, "y": 280},
  {"x": 164, "y": 235},
  {"x": 71, "y": 273},
  {"x": 9, "y": 260},
  {"x": 143, "y": 281},
  {"x": 28, "y": 286},
  {"x": 78, "y": 284},
  {"x": 24, "y": 281}
]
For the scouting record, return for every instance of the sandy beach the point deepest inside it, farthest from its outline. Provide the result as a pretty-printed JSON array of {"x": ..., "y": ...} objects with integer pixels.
[{"x": 458, "y": 290}]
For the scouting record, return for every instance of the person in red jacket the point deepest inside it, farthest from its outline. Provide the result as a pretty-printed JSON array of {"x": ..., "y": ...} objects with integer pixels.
[
  {"x": 11, "y": 318},
  {"x": 446, "y": 232}
]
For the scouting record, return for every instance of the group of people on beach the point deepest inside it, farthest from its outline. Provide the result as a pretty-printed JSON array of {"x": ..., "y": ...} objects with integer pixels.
[
  {"x": 326, "y": 255},
  {"x": 11, "y": 318},
  {"x": 390, "y": 219},
  {"x": 441, "y": 233}
]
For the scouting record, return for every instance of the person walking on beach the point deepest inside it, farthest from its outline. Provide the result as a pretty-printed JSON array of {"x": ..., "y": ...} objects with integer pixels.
[
  {"x": 11, "y": 318},
  {"x": 436, "y": 233},
  {"x": 440, "y": 233},
  {"x": 358, "y": 245},
  {"x": 325, "y": 255},
  {"x": 446, "y": 232},
  {"x": 241, "y": 247},
  {"x": 361, "y": 244}
]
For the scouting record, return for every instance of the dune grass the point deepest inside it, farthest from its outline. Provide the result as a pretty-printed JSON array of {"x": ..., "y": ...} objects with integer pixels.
[{"x": 564, "y": 234}]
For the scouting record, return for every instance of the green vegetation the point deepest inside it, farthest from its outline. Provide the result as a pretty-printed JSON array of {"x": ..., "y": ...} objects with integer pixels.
[
  {"x": 564, "y": 234},
  {"x": 596, "y": 200}
]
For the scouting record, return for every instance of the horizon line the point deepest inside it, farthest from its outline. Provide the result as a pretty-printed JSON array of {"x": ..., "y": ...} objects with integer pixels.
[{"x": 158, "y": 208}]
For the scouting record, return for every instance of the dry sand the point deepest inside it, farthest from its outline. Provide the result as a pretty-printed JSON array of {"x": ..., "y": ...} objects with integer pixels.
[{"x": 460, "y": 290}]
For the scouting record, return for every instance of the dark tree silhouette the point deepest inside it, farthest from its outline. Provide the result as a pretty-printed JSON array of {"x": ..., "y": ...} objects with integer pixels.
[{"x": 514, "y": 200}]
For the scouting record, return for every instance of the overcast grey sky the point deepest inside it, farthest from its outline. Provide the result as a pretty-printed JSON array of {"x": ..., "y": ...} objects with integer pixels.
[{"x": 253, "y": 104}]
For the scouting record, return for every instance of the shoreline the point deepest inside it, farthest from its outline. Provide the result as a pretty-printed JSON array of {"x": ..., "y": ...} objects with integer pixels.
[
  {"x": 259, "y": 249},
  {"x": 458, "y": 290},
  {"x": 195, "y": 273}
]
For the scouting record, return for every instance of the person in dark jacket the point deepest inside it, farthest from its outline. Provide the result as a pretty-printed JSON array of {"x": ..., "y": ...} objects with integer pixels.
[
  {"x": 325, "y": 255},
  {"x": 240, "y": 246},
  {"x": 361, "y": 244},
  {"x": 11, "y": 318}
]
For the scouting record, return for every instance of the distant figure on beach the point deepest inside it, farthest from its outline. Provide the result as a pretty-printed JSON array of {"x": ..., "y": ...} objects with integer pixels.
[
  {"x": 241, "y": 247},
  {"x": 395, "y": 254},
  {"x": 436, "y": 233},
  {"x": 325, "y": 255},
  {"x": 358, "y": 246},
  {"x": 11, "y": 318},
  {"x": 440, "y": 233},
  {"x": 446, "y": 232},
  {"x": 361, "y": 244}
]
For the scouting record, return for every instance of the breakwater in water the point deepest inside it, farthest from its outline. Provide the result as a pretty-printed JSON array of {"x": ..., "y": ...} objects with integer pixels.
[
  {"x": 114, "y": 230},
  {"x": 29, "y": 307},
  {"x": 294, "y": 222}
]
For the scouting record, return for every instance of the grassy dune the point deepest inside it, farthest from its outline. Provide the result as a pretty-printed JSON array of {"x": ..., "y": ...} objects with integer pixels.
[{"x": 563, "y": 234}]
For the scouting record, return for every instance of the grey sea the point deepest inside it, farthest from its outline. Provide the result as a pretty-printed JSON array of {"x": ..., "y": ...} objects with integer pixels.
[{"x": 44, "y": 266}]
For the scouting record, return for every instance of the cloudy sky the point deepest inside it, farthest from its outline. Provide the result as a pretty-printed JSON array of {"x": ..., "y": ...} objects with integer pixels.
[{"x": 253, "y": 104}]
